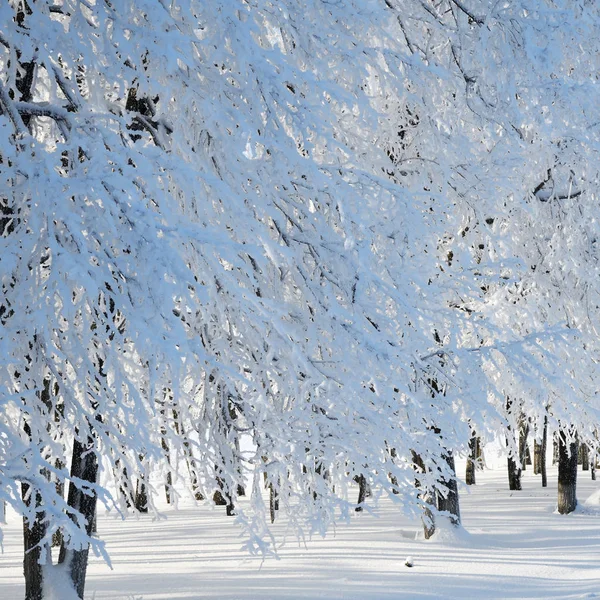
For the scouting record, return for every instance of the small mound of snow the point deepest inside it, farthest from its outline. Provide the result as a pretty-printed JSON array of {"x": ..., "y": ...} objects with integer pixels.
[
  {"x": 57, "y": 584},
  {"x": 447, "y": 533},
  {"x": 593, "y": 500}
]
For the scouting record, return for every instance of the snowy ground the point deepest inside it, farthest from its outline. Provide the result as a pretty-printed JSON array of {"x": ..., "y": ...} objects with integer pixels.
[{"x": 517, "y": 547}]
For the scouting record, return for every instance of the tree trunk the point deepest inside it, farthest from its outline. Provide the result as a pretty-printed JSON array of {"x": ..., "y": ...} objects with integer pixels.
[
  {"x": 543, "y": 452},
  {"x": 523, "y": 446},
  {"x": 169, "y": 484},
  {"x": 567, "y": 474},
  {"x": 362, "y": 491},
  {"x": 428, "y": 518},
  {"x": 514, "y": 474},
  {"x": 221, "y": 497},
  {"x": 60, "y": 490},
  {"x": 554, "y": 450},
  {"x": 537, "y": 458},
  {"x": 393, "y": 478},
  {"x": 471, "y": 461},
  {"x": 84, "y": 467},
  {"x": 189, "y": 457},
  {"x": 141, "y": 496},
  {"x": 585, "y": 458},
  {"x": 450, "y": 502},
  {"x": 273, "y": 502},
  {"x": 33, "y": 534}
]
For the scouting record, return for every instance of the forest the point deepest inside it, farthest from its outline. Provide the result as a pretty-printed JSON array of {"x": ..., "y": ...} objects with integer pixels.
[{"x": 291, "y": 258}]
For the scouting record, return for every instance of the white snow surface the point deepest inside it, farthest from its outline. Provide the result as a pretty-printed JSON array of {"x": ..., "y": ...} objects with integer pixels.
[{"x": 514, "y": 546}]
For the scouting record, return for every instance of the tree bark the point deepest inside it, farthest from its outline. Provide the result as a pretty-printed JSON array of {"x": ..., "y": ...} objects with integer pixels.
[
  {"x": 362, "y": 491},
  {"x": 273, "y": 502},
  {"x": 585, "y": 458},
  {"x": 450, "y": 502},
  {"x": 523, "y": 446},
  {"x": 554, "y": 451},
  {"x": 84, "y": 466},
  {"x": 567, "y": 474},
  {"x": 428, "y": 518},
  {"x": 33, "y": 533},
  {"x": 543, "y": 452},
  {"x": 514, "y": 474},
  {"x": 471, "y": 461},
  {"x": 141, "y": 496},
  {"x": 537, "y": 458}
]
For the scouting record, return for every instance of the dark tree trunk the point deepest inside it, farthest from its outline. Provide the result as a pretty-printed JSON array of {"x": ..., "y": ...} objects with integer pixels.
[
  {"x": 362, "y": 491},
  {"x": 543, "y": 451},
  {"x": 33, "y": 534},
  {"x": 273, "y": 502},
  {"x": 222, "y": 498},
  {"x": 514, "y": 474},
  {"x": 60, "y": 490},
  {"x": 450, "y": 502},
  {"x": 523, "y": 446},
  {"x": 141, "y": 496},
  {"x": 84, "y": 467},
  {"x": 169, "y": 484},
  {"x": 35, "y": 530},
  {"x": 471, "y": 461},
  {"x": 567, "y": 474},
  {"x": 537, "y": 458},
  {"x": 585, "y": 458}
]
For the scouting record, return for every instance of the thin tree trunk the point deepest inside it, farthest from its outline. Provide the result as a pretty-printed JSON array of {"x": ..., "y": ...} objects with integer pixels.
[
  {"x": 273, "y": 502},
  {"x": 471, "y": 461},
  {"x": 169, "y": 484},
  {"x": 60, "y": 490},
  {"x": 523, "y": 446},
  {"x": 393, "y": 478},
  {"x": 567, "y": 474},
  {"x": 543, "y": 452},
  {"x": 84, "y": 467}
]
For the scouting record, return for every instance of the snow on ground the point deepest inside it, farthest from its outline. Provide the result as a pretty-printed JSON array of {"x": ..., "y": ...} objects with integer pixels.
[{"x": 517, "y": 546}]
